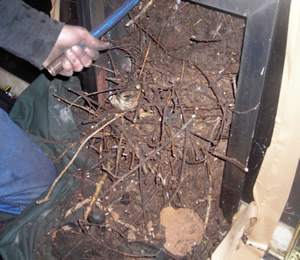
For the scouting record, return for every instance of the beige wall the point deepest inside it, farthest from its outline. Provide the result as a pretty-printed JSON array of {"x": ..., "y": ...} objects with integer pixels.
[{"x": 17, "y": 85}]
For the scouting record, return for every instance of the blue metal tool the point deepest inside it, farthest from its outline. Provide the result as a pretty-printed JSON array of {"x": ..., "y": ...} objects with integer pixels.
[{"x": 56, "y": 66}]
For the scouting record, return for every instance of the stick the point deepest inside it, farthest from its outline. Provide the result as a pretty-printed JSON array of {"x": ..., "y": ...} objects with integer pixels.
[
  {"x": 173, "y": 13},
  {"x": 76, "y": 105},
  {"x": 124, "y": 253},
  {"x": 145, "y": 59},
  {"x": 102, "y": 68},
  {"x": 233, "y": 161},
  {"x": 74, "y": 157},
  {"x": 139, "y": 14},
  {"x": 149, "y": 156},
  {"x": 209, "y": 196},
  {"x": 142, "y": 199},
  {"x": 95, "y": 196},
  {"x": 118, "y": 154},
  {"x": 181, "y": 172}
]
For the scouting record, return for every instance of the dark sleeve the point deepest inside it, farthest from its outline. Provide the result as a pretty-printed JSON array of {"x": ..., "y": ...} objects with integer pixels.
[{"x": 26, "y": 32}]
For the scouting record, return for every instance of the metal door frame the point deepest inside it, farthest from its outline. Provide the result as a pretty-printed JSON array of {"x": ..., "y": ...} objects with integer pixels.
[{"x": 259, "y": 82}]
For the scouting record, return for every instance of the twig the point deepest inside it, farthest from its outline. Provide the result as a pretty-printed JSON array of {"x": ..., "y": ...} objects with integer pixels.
[
  {"x": 119, "y": 152},
  {"x": 77, "y": 206},
  {"x": 95, "y": 196},
  {"x": 233, "y": 161},
  {"x": 146, "y": 205},
  {"x": 98, "y": 92},
  {"x": 139, "y": 14},
  {"x": 149, "y": 156},
  {"x": 247, "y": 111},
  {"x": 85, "y": 96},
  {"x": 132, "y": 160},
  {"x": 172, "y": 14},
  {"x": 114, "y": 80},
  {"x": 222, "y": 37},
  {"x": 204, "y": 138},
  {"x": 126, "y": 51},
  {"x": 112, "y": 63},
  {"x": 76, "y": 105},
  {"x": 73, "y": 248},
  {"x": 75, "y": 155},
  {"x": 181, "y": 171},
  {"x": 163, "y": 121},
  {"x": 152, "y": 37},
  {"x": 173, "y": 149},
  {"x": 157, "y": 41},
  {"x": 213, "y": 131},
  {"x": 195, "y": 149},
  {"x": 142, "y": 198},
  {"x": 209, "y": 196},
  {"x": 109, "y": 172},
  {"x": 70, "y": 146},
  {"x": 195, "y": 39},
  {"x": 102, "y": 68},
  {"x": 123, "y": 253},
  {"x": 145, "y": 59}
]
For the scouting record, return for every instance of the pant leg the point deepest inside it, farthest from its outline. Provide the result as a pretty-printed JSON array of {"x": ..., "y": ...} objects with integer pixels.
[{"x": 25, "y": 171}]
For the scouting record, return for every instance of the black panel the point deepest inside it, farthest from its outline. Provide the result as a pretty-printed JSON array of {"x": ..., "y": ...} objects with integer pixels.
[
  {"x": 88, "y": 76},
  {"x": 90, "y": 14},
  {"x": 269, "y": 99},
  {"x": 258, "y": 90}
]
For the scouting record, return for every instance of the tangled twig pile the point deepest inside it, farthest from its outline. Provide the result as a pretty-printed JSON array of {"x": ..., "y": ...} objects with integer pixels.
[{"x": 163, "y": 127}]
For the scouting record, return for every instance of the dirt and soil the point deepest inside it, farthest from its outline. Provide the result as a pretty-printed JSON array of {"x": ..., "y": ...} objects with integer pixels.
[{"x": 177, "y": 97}]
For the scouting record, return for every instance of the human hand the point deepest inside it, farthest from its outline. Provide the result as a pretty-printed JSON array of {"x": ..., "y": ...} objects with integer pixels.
[{"x": 76, "y": 58}]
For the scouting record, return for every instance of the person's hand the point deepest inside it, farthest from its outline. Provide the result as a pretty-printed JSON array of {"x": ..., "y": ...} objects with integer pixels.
[{"x": 77, "y": 58}]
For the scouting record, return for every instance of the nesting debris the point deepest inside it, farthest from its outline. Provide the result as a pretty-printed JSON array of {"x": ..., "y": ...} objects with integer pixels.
[{"x": 158, "y": 141}]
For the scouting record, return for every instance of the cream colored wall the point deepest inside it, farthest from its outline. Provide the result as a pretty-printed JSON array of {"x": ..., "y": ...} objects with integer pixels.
[
  {"x": 55, "y": 12},
  {"x": 17, "y": 85}
]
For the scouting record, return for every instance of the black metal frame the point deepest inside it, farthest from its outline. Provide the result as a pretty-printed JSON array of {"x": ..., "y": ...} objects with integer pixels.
[
  {"x": 259, "y": 83},
  {"x": 90, "y": 14},
  {"x": 86, "y": 10}
]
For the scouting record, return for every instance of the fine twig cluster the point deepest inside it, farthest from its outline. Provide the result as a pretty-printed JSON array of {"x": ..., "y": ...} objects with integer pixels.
[{"x": 160, "y": 135}]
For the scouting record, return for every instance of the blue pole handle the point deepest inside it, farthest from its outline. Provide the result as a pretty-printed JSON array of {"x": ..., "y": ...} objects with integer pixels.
[{"x": 114, "y": 18}]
